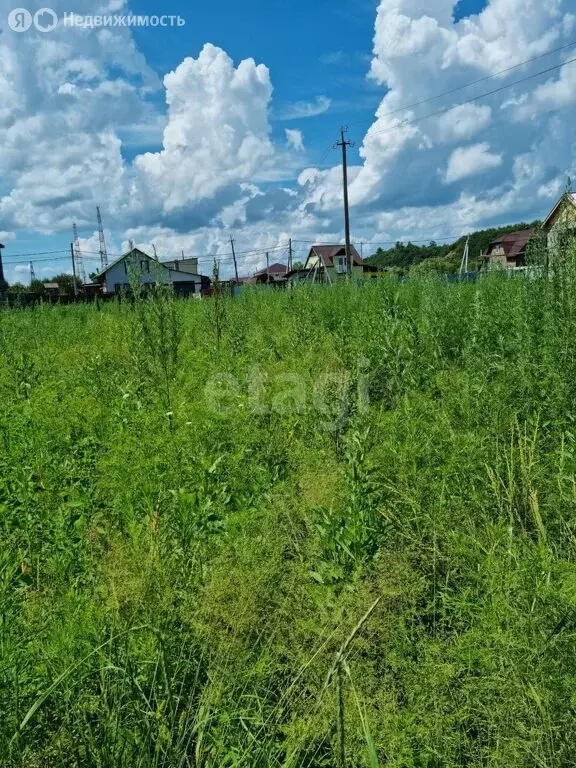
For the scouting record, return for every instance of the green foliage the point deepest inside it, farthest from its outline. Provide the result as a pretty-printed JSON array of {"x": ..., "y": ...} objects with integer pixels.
[
  {"x": 364, "y": 556},
  {"x": 65, "y": 283},
  {"x": 18, "y": 288},
  {"x": 447, "y": 258},
  {"x": 64, "y": 280}
]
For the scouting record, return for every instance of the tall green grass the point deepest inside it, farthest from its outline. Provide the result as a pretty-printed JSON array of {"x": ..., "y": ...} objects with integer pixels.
[{"x": 326, "y": 527}]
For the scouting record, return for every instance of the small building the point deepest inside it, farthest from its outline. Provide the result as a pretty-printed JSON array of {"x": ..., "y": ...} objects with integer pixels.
[
  {"x": 272, "y": 274},
  {"x": 52, "y": 289},
  {"x": 327, "y": 263},
  {"x": 149, "y": 271},
  {"x": 560, "y": 224},
  {"x": 508, "y": 251},
  {"x": 183, "y": 265}
]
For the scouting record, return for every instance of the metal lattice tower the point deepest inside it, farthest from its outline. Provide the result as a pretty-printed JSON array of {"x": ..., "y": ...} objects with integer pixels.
[
  {"x": 32, "y": 273},
  {"x": 103, "y": 251},
  {"x": 78, "y": 256}
]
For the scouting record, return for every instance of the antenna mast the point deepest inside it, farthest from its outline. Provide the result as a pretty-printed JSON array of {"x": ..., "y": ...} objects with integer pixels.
[{"x": 103, "y": 251}]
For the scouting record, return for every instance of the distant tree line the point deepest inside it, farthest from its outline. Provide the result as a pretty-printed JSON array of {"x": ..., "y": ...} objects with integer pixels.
[
  {"x": 445, "y": 258},
  {"x": 65, "y": 285}
]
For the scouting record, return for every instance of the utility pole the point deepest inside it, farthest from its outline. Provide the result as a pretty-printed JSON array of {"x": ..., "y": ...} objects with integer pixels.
[
  {"x": 74, "y": 270},
  {"x": 103, "y": 251},
  {"x": 78, "y": 255},
  {"x": 345, "y": 144},
  {"x": 3, "y": 283},
  {"x": 267, "y": 265},
  {"x": 465, "y": 257},
  {"x": 290, "y": 256},
  {"x": 235, "y": 264}
]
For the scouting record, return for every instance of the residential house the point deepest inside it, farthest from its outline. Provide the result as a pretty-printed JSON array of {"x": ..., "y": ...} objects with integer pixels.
[
  {"x": 508, "y": 251},
  {"x": 149, "y": 271},
  {"x": 52, "y": 290},
  {"x": 272, "y": 274},
  {"x": 328, "y": 263},
  {"x": 560, "y": 224},
  {"x": 183, "y": 265}
]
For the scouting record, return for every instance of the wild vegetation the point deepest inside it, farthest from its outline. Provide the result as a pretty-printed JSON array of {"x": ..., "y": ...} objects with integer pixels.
[{"x": 320, "y": 527}]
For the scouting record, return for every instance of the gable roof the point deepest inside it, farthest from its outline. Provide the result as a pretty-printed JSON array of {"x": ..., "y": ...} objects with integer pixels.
[
  {"x": 135, "y": 252},
  {"x": 274, "y": 269},
  {"x": 570, "y": 196},
  {"x": 330, "y": 252},
  {"x": 514, "y": 243}
]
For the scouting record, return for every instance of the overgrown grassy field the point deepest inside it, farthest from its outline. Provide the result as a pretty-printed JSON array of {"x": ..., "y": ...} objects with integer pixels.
[{"x": 325, "y": 527}]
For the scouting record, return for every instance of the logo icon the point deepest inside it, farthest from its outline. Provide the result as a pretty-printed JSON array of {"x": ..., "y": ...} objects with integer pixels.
[
  {"x": 19, "y": 20},
  {"x": 45, "y": 20}
]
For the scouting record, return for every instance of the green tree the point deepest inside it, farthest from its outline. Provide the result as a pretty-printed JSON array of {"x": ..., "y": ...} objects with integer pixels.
[
  {"x": 66, "y": 283},
  {"x": 17, "y": 288}
]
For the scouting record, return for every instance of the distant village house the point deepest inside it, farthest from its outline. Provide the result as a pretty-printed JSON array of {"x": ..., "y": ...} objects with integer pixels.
[
  {"x": 560, "y": 224},
  {"x": 508, "y": 251},
  {"x": 328, "y": 263},
  {"x": 182, "y": 274}
]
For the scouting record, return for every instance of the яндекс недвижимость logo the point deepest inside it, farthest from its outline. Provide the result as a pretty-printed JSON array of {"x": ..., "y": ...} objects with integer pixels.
[{"x": 21, "y": 20}]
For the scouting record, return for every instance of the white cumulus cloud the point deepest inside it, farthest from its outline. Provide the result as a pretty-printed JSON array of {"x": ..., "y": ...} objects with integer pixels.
[
  {"x": 303, "y": 109},
  {"x": 74, "y": 101},
  {"x": 470, "y": 161},
  {"x": 295, "y": 139}
]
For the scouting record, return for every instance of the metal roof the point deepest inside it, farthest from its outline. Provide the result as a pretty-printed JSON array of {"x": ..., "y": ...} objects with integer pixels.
[
  {"x": 514, "y": 243},
  {"x": 125, "y": 255},
  {"x": 329, "y": 252}
]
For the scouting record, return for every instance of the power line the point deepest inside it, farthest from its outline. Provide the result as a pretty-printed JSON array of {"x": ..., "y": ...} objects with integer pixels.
[
  {"x": 208, "y": 258},
  {"x": 473, "y": 82},
  {"x": 37, "y": 253},
  {"x": 444, "y": 110}
]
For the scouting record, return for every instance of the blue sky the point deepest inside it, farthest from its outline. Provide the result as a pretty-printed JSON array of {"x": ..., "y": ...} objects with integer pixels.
[
  {"x": 185, "y": 135},
  {"x": 313, "y": 48}
]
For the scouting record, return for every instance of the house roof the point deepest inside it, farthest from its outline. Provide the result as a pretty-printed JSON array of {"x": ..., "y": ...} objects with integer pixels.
[
  {"x": 274, "y": 269},
  {"x": 571, "y": 196},
  {"x": 514, "y": 243},
  {"x": 133, "y": 252},
  {"x": 330, "y": 252}
]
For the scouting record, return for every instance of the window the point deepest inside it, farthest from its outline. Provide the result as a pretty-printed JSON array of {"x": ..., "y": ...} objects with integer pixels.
[
  {"x": 342, "y": 265},
  {"x": 498, "y": 250},
  {"x": 145, "y": 266}
]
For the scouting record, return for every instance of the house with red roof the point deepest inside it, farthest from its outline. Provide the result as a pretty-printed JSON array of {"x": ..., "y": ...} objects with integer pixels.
[
  {"x": 328, "y": 264},
  {"x": 509, "y": 251},
  {"x": 271, "y": 274}
]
